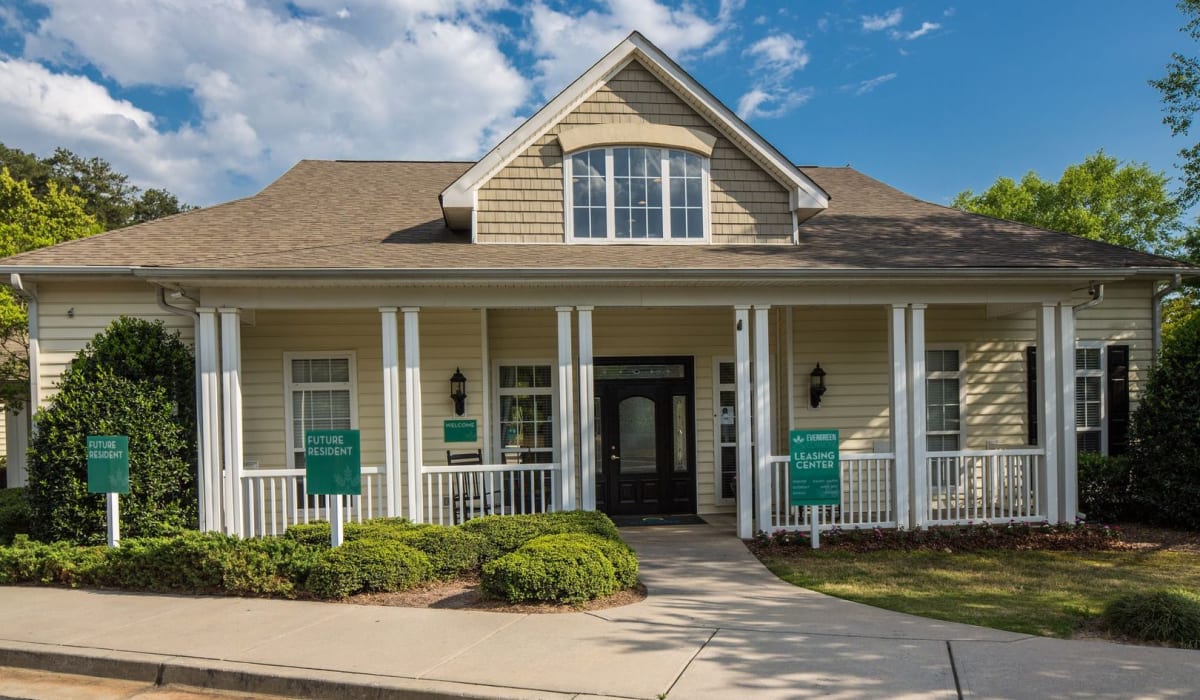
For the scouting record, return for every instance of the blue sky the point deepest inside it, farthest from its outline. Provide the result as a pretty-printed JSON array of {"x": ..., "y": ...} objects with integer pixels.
[{"x": 215, "y": 99}]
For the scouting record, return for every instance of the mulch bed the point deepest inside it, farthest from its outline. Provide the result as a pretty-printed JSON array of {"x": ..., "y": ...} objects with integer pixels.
[{"x": 464, "y": 594}]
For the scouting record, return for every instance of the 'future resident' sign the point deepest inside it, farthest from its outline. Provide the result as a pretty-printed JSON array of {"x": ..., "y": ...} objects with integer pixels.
[
  {"x": 108, "y": 463},
  {"x": 332, "y": 462}
]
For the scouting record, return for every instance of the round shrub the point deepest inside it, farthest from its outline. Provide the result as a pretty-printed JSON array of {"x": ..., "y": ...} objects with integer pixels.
[
  {"x": 1165, "y": 444},
  {"x": 313, "y": 534},
  {"x": 1106, "y": 488},
  {"x": 14, "y": 514},
  {"x": 452, "y": 551},
  {"x": 622, "y": 558},
  {"x": 367, "y": 565},
  {"x": 551, "y": 571},
  {"x": 1171, "y": 616},
  {"x": 506, "y": 533}
]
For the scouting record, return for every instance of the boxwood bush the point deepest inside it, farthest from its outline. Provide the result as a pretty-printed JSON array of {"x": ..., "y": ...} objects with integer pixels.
[
  {"x": 367, "y": 565},
  {"x": 622, "y": 558},
  {"x": 1170, "y": 616},
  {"x": 452, "y": 551},
  {"x": 506, "y": 533},
  {"x": 14, "y": 514},
  {"x": 550, "y": 569},
  {"x": 1106, "y": 488}
]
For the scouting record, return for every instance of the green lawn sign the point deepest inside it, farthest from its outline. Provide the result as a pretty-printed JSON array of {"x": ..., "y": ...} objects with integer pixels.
[
  {"x": 108, "y": 463},
  {"x": 815, "y": 476},
  {"x": 460, "y": 431},
  {"x": 332, "y": 463}
]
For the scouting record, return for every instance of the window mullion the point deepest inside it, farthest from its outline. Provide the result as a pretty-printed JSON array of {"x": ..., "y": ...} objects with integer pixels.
[
  {"x": 665, "y": 181},
  {"x": 610, "y": 195}
]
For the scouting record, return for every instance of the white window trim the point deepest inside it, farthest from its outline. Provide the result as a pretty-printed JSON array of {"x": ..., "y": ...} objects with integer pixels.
[
  {"x": 1102, "y": 374},
  {"x": 497, "y": 447},
  {"x": 610, "y": 202},
  {"x": 289, "y": 387},
  {"x": 718, "y": 387},
  {"x": 961, "y": 376}
]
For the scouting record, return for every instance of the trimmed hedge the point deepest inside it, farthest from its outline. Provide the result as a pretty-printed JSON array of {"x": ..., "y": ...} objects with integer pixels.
[
  {"x": 1106, "y": 488},
  {"x": 549, "y": 569},
  {"x": 452, "y": 551},
  {"x": 368, "y": 565},
  {"x": 503, "y": 534},
  {"x": 14, "y": 514},
  {"x": 1170, "y": 616},
  {"x": 622, "y": 558}
]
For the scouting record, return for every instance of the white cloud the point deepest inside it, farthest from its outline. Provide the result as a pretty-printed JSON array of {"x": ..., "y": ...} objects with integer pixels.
[
  {"x": 925, "y": 28},
  {"x": 767, "y": 103},
  {"x": 868, "y": 85},
  {"x": 374, "y": 79},
  {"x": 566, "y": 45},
  {"x": 780, "y": 55},
  {"x": 875, "y": 23}
]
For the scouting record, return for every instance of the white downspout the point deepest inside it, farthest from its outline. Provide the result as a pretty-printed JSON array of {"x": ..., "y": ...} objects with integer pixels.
[
  {"x": 1156, "y": 315},
  {"x": 1097, "y": 292}
]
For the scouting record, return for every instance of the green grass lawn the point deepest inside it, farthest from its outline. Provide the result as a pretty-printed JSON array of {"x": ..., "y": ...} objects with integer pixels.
[{"x": 1036, "y": 592}]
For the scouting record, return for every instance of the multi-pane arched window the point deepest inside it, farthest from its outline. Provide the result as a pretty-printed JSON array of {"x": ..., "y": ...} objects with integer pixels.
[{"x": 636, "y": 194}]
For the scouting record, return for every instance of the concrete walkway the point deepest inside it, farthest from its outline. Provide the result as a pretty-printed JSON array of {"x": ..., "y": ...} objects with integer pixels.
[{"x": 716, "y": 625}]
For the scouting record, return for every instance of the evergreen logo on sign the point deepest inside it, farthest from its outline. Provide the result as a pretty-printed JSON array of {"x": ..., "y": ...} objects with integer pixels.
[
  {"x": 815, "y": 474},
  {"x": 108, "y": 463},
  {"x": 332, "y": 463}
]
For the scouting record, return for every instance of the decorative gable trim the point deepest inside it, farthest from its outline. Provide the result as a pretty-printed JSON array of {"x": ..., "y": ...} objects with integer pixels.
[
  {"x": 578, "y": 138},
  {"x": 805, "y": 196}
]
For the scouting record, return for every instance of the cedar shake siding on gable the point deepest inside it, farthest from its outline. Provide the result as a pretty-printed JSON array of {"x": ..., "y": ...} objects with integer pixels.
[{"x": 523, "y": 203}]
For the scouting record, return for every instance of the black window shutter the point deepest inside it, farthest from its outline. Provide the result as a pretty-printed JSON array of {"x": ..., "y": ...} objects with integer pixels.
[
  {"x": 1031, "y": 399},
  {"x": 1118, "y": 399}
]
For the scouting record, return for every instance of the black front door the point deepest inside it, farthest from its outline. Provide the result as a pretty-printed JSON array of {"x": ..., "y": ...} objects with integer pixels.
[{"x": 645, "y": 451}]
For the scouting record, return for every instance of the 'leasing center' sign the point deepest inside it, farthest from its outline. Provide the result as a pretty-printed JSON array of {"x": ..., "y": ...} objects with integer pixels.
[{"x": 815, "y": 477}]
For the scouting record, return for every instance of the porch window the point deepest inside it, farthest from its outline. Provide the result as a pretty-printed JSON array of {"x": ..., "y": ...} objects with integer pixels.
[
  {"x": 1089, "y": 398},
  {"x": 636, "y": 194},
  {"x": 320, "y": 396},
  {"x": 725, "y": 394},
  {"x": 943, "y": 399},
  {"x": 526, "y": 412}
]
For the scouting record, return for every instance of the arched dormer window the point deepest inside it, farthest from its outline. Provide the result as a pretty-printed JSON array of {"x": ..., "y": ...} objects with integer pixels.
[{"x": 636, "y": 194}]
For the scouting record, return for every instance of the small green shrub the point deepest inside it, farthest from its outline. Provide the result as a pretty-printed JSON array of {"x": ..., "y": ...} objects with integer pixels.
[
  {"x": 366, "y": 565},
  {"x": 14, "y": 514},
  {"x": 550, "y": 570},
  {"x": 1170, "y": 616},
  {"x": 452, "y": 551},
  {"x": 60, "y": 563},
  {"x": 197, "y": 562},
  {"x": 1106, "y": 488},
  {"x": 317, "y": 533},
  {"x": 506, "y": 533},
  {"x": 619, "y": 554},
  {"x": 314, "y": 534}
]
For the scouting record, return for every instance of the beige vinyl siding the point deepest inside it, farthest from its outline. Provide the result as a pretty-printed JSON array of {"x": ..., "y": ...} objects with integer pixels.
[
  {"x": 851, "y": 345},
  {"x": 96, "y": 305},
  {"x": 1124, "y": 318},
  {"x": 450, "y": 339},
  {"x": 523, "y": 203}
]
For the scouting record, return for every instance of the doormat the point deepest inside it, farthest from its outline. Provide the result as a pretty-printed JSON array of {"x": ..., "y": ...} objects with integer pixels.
[{"x": 640, "y": 520}]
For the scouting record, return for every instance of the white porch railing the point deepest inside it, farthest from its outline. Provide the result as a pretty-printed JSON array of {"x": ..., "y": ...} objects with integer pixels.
[
  {"x": 985, "y": 486},
  {"x": 453, "y": 494},
  {"x": 868, "y": 495},
  {"x": 274, "y": 499}
]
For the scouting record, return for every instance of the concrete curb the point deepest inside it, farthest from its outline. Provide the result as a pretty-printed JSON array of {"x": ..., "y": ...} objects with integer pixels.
[{"x": 240, "y": 677}]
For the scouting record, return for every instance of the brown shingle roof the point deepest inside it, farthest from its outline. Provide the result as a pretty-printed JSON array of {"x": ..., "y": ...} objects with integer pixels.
[{"x": 386, "y": 215}]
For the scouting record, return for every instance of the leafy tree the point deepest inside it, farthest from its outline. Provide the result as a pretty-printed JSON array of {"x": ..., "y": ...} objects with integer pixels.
[
  {"x": 108, "y": 194},
  {"x": 155, "y": 204},
  {"x": 1100, "y": 198},
  {"x": 1165, "y": 442},
  {"x": 1180, "y": 89},
  {"x": 27, "y": 222},
  {"x": 133, "y": 379}
]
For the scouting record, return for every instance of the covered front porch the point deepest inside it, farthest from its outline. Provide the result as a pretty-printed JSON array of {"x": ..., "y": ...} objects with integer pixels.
[{"x": 642, "y": 400}]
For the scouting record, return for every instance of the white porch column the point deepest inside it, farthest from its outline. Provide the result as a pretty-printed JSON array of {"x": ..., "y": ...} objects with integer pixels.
[
  {"x": 1068, "y": 469},
  {"x": 587, "y": 410},
  {"x": 412, "y": 412},
  {"x": 762, "y": 415},
  {"x": 390, "y": 330},
  {"x": 917, "y": 448},
  {"x": 231, "y": 404},
  {"x": 208, "y": 422},
  {"x": 745, "y": 482},
  {"x": 566, "y": 418},
  {"x": 898, "y": 410},
  {"x": 1049, "y": 391}
]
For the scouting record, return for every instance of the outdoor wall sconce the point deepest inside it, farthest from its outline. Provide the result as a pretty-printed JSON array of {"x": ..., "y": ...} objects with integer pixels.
[
  {"x": 816, "y": 386},
  {"x": 458, "y": 391}
]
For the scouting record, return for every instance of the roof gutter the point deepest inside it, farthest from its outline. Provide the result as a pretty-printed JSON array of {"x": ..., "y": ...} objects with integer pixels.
[{"x": 1156, "y": 315}]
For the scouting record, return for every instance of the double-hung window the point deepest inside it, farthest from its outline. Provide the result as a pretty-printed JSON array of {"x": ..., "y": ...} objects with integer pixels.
[
  {"x": 526, "y": 425},
  {"x": 636, "y": 194},
  {"x": 320, "y": 395},
  {"x": 943, "y": 400},
  {"x": 1089, "y": 397}
]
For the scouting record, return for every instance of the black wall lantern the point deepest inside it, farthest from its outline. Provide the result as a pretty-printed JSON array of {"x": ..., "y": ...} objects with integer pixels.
[
  {"x": 816, "y": 386},
  {"x": 458, "y": 391}
]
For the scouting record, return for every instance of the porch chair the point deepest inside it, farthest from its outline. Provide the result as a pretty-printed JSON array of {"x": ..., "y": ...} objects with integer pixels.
[{"x": 469, "y": 492}]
